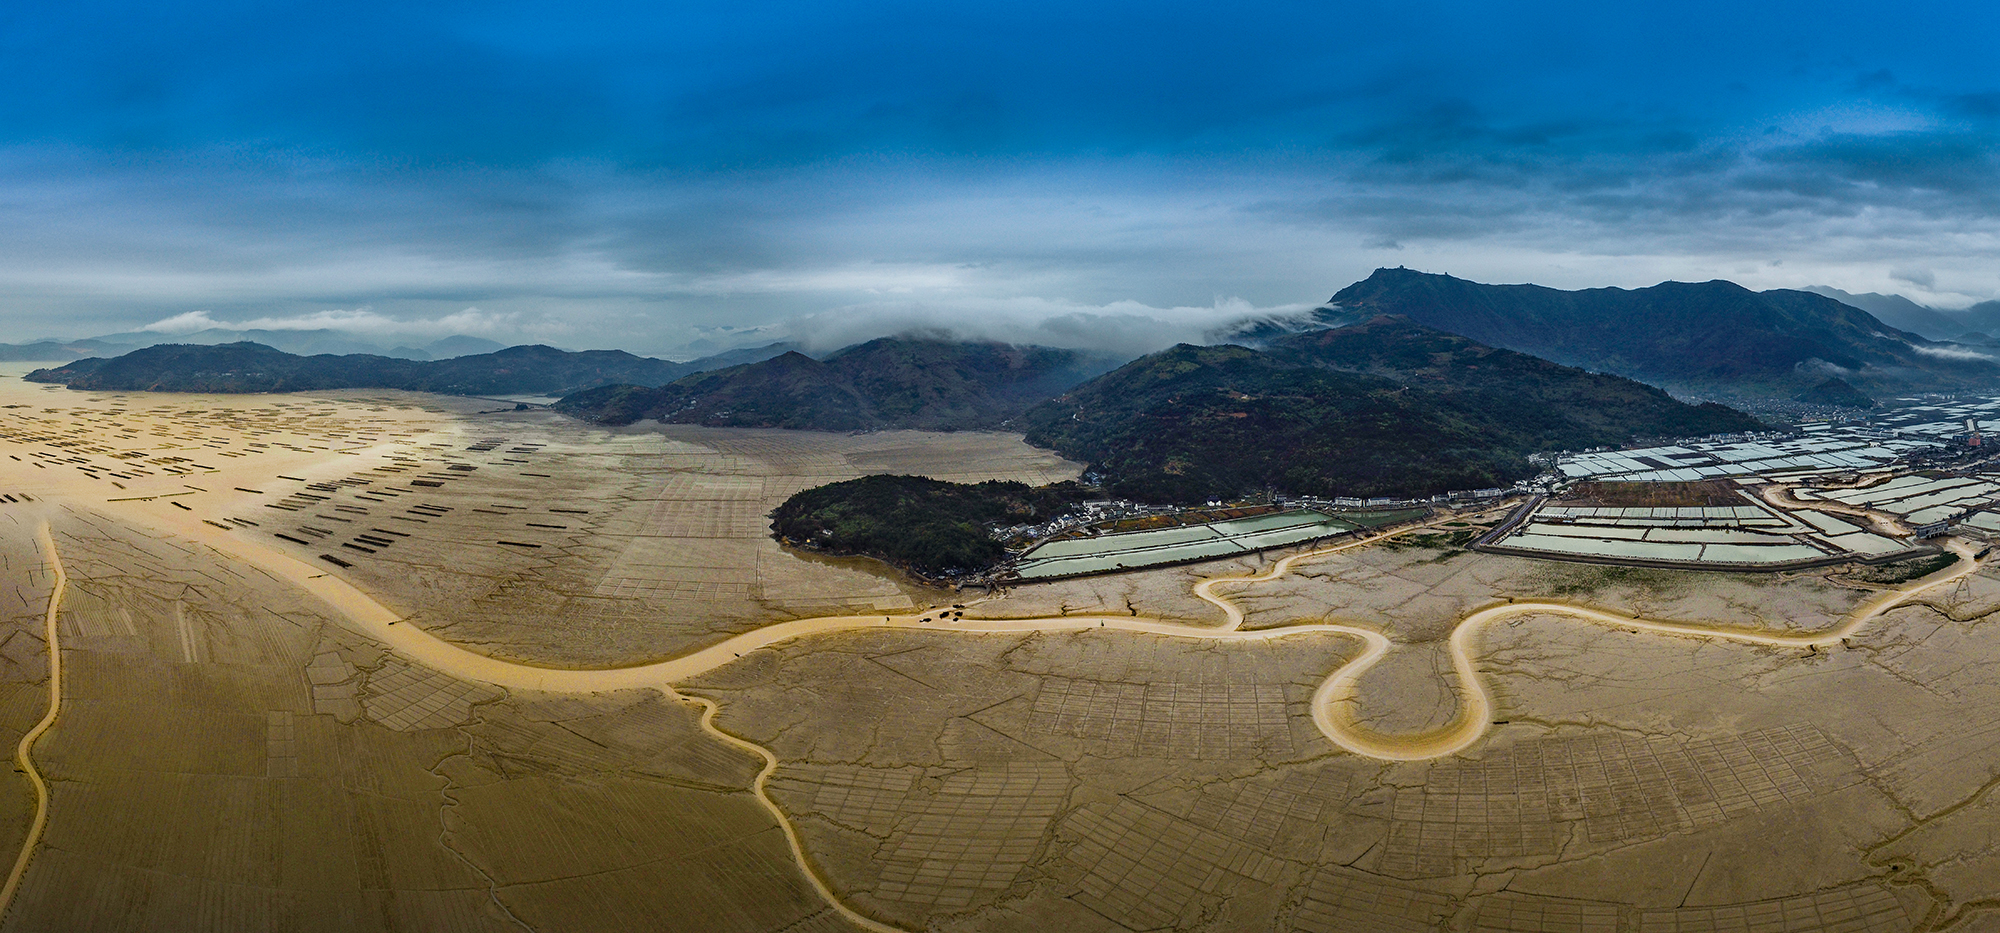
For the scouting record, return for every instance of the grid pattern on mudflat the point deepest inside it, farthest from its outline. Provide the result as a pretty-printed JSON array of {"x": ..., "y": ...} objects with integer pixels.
[
  {"x": 1257, "y": 812},
  {"x": 652, "y": 588},
  {"x": 1142, "y": 867},
  {"x": 1347, "y": 902},
  {"x": 680, "y": 568},
  {"x": 738, "y": 512},
  {"x": 973, "y": 836},
  {"x": 408, "y": 698},
  {"x": 1518, "y": 913},
  {"x": 1527, "y": 800},
  {"x": 281, "y": 751},
  {"x": 1855, "y": 909},
  {"x": 1165, "y": 719},
  {"x": 855, "y": 796},
  {"x": 826, "y": 921}
]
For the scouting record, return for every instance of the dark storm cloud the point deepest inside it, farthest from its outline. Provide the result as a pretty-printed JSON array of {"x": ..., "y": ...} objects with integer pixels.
[{"x": 640, "y": 173}]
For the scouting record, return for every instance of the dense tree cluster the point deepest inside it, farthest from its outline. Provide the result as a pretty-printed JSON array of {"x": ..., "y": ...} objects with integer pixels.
[{"x": 929, "y": 526}]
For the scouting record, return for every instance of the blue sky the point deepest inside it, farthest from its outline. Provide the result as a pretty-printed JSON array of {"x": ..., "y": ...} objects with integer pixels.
[{"x": 646, "y": 174}]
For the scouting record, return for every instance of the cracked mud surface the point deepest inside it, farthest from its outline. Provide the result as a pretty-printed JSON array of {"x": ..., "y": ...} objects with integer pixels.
[{"x": 292, "y": 770}]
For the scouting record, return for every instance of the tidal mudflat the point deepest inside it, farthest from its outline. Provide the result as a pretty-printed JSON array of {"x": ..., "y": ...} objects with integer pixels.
[{"x": 366, "y": 660}]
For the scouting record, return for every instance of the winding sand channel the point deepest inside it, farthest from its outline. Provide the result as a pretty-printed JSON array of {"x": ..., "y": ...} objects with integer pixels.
[
  {"x": 24, "y": 753},
  {"x": 1332, "y": 707}
]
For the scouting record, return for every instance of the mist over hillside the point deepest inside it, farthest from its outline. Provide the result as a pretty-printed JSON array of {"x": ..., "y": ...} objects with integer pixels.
[
  {"x": 298, "y": 342},
  {"x": 1978, "y": 321},
  {"x": 252, "y": 367},
  {"x": 1701, "y": 337},
  {"x": 1708, "y": 338}
]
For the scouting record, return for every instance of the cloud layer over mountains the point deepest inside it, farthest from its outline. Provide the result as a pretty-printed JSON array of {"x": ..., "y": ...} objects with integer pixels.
[{"x": 640, "y": 175}]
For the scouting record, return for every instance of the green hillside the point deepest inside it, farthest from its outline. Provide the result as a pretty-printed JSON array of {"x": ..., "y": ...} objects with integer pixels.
[
  {"x": 1385, "y": 408},
  {"x": 253, "y": 367},
  {"x": 893, "y": 382},
  {"x": 1713, "y": 336}
]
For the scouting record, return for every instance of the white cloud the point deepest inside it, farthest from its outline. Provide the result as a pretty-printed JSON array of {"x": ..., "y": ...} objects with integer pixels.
[
  {"x": 1129, "y": 250},
  {"x": 181, "y": 323},
  {"x": 368, "y": 322},
  {"x": 1954, "y": 353}
]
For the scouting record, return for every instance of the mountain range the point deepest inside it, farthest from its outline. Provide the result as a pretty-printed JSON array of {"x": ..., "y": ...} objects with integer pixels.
[
  {"x": 302, "y": 342},
  {"x": 1387, "y": 407},
  {"x": 252, "y": 367},
  {"x": 1382, "y": 407},
  {"x": 1979, "y": 321},
  {"x": 891, "y": 382},
  {"x": 1699, "y": 337},
  {"x": 1713, "y": 339}
]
